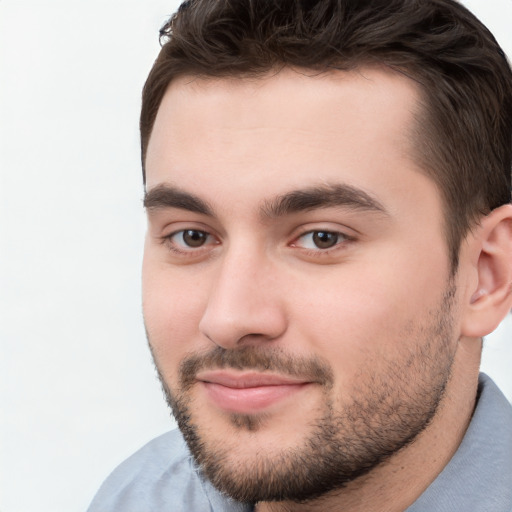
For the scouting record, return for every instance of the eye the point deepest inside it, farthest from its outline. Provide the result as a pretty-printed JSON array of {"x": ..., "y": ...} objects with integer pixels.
[
  {"x": 194, "y": 238},
  {"x": 320, "y": 239},
  {"x": 189, "y": 239}
]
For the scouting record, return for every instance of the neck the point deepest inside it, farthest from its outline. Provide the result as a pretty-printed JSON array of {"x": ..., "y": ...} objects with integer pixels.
[{"x": 396, "y": 484}]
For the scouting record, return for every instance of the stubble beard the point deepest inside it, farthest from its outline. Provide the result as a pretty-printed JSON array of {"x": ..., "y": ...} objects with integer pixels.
[{"x": 388, "y": 409}]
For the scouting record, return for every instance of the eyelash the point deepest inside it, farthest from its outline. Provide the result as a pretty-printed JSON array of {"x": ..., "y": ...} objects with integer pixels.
[
  {"x": 188, "y": 251},
  {"x": 341, "y": 240}
]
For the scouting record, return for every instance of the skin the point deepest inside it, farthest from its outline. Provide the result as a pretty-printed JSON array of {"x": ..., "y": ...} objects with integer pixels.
[{"x": 363, "y": 306}]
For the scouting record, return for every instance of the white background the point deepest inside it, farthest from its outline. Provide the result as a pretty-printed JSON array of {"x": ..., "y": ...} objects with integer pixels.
[{"x": 78, "y": 392}]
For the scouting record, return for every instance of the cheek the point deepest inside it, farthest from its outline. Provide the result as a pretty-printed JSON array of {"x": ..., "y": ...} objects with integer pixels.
[
  {"x": 364, "y": 313},
  {"x": 172, "y": 306}
]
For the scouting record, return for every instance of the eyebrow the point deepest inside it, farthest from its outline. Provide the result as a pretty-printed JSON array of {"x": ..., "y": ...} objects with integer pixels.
[
  {"x": 165, "y": 196},
  {"x": 325, "y": 196}
]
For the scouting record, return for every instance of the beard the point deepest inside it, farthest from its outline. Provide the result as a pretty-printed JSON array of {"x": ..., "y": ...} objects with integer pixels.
[{"x": 390, "y": 403}]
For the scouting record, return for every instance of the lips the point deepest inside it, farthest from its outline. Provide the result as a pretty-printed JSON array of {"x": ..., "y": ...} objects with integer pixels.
[{"x": 248, "y": 392}]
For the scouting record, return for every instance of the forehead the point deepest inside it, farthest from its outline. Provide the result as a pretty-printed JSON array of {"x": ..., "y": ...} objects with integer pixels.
[{"x": 285, "y": 130}]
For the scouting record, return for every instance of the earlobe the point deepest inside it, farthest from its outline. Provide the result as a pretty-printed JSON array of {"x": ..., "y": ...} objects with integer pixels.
[{"x": 491, "y": 298}]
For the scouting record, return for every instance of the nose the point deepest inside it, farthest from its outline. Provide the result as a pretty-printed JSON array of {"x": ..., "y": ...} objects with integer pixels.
[{"x": 245, "y": 305}]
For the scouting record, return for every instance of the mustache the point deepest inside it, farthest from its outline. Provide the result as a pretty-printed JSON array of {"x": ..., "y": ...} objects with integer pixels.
[{"x": 312, "y": 369}]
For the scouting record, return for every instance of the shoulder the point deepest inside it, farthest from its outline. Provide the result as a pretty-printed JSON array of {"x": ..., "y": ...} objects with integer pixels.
[{"x": 159, "y": 474}]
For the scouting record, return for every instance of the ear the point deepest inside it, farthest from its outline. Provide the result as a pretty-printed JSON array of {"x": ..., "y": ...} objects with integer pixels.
[{"x": 490, "y": 300}]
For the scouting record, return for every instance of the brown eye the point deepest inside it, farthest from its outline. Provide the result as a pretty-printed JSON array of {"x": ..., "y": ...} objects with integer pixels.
[
  {"x": 325, "y": 239},
  {"x": 320, "y": 240},
  {"x": 194, "y": 238}
]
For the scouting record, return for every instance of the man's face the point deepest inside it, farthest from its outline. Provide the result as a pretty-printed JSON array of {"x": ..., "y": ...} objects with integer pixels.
[{"x": 296, "y": 285}]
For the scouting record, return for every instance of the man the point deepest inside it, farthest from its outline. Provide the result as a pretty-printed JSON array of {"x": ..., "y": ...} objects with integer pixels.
[{"x": 329, "y": 239}]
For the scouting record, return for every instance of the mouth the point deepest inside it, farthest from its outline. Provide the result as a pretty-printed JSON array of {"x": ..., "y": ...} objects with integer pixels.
[{"x": 248, "y": 392}]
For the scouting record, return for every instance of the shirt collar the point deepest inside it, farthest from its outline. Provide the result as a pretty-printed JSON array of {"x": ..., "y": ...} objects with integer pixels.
[{"x": 479, "y": 476}]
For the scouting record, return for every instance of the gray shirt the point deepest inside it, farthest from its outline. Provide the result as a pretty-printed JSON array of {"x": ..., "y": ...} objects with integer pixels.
[{"x": 162, "y": 476}]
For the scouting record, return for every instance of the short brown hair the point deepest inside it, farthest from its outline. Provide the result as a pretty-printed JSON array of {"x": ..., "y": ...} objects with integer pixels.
[{"x": 464, "y": 133}]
